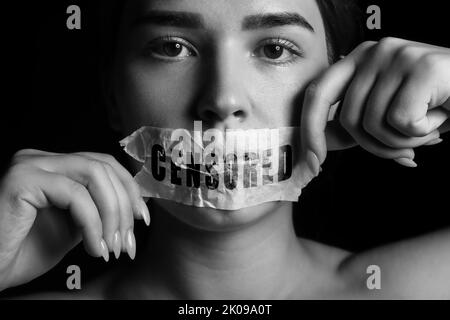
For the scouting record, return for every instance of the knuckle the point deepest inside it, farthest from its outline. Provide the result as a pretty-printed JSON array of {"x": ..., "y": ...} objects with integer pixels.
[
  {"x": 23, "y": 152},
  {"x": 15, "y": 188},
  {"x": 16, "y": 197},
  {"x": 20, "y": 155},
  {"x": 108, "y": 167},
  {"x": 103, "y": 157},
  {"x": 15, "y": 177},
  {"x": 403, "y": 123},
  {"x": 95, "y": 167},
  {"x": 109, "y": 158},
  {"x": 398, "y": 119},
  {"x": 431, "y": 62},
  {"x": 76, "y": 189},
  {"x": 389, "y": 42},
  {"x": 384, "y": 46},
  {"x": 407, "y": 56},
  {"x": 16, "y": 171}
]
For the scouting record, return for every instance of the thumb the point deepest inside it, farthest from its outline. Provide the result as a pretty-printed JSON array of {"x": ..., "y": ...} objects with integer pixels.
[{"x": 317, "y": 133}]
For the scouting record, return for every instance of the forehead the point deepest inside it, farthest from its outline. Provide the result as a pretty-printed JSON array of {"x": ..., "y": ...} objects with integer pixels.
[{"x": 227, "y": 14}]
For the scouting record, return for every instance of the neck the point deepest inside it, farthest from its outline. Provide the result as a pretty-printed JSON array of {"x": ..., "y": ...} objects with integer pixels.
[{"x": 256, "y": 261}]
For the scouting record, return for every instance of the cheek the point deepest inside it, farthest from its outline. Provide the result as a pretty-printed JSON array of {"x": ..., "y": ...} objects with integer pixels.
[
  {"x": 165, "y": 96},
  {"x": 154, "y": 96},
  {"x": 280, "y": 93}
]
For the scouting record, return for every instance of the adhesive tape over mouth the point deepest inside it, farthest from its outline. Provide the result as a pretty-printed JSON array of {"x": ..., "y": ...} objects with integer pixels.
[{"x": 227, "y": 170}]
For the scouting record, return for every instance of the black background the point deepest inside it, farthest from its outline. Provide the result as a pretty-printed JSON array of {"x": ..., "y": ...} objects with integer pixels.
[{"x": 51, "y": 102}]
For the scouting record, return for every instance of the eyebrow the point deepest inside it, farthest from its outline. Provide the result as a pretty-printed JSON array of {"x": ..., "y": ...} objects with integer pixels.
[
  {"x": 264, "y": 21},
  {"x": 190, "y": 20}
]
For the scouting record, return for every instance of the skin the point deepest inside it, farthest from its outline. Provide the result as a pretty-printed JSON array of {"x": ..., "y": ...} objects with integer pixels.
[{"x": 223, "y": 76}]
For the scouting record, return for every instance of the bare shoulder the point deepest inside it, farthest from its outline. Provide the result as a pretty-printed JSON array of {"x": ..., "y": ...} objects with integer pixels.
[
  {"x": 319, "y": 277},
  {"x": 325, "y": 255},
  {"x": 411, "y": 269}
]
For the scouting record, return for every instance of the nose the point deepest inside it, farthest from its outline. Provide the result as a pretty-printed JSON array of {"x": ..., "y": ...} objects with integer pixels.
[{"x": 224, "y": 99}]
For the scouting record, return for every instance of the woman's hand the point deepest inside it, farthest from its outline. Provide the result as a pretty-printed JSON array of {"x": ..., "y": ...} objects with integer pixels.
[
  {"x": 394, "y": 96},
  {"x": 49, "y": 202}
]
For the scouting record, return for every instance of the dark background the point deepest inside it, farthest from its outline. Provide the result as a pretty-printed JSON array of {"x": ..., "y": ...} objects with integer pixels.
[{"x": 51, "y": 102}]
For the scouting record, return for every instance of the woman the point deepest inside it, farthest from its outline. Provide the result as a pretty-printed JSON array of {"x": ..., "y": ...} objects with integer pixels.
[{"x": 233, "y": 64}]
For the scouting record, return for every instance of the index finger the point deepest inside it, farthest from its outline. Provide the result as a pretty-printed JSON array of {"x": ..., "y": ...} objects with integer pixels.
[
  {"x": 320, "y": 96},
  {"x": 138, "y": 203}
]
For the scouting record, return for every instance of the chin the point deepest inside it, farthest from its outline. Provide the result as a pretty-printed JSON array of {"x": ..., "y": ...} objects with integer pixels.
[{"x": 209, "y": 219}]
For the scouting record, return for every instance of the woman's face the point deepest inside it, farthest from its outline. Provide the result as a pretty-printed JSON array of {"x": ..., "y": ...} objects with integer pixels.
[{"x": 229, "y": 63}]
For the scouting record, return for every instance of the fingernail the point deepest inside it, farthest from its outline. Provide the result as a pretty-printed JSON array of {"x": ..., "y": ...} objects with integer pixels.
[
  {"x": 105, "y": 253},
  {"x": 117, "y": 244},
  {"x": 131, "y": 244},
  {"x": 434, "y": 142},
  {"x": 144, "y": 213},
  {"x": 313, "y": 162},
  {"x": 406, "y": 162}
]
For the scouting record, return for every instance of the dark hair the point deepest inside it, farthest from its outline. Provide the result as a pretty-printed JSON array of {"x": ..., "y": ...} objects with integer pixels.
[
  {"x": 343, "y": 26},
  {"x": 110, "y": 13}
]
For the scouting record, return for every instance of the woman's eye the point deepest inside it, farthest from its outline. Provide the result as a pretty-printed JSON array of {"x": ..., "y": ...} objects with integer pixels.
[
  {"x": 278, "y": 53},
  {"x": 170, "y": 49},
  {"x": 273, "y": 51}
]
